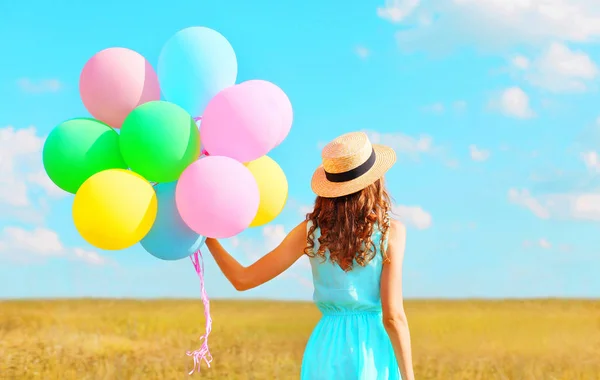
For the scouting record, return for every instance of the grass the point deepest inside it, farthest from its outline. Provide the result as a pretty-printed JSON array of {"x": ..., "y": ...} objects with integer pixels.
[{"x": 110, "y": 339}]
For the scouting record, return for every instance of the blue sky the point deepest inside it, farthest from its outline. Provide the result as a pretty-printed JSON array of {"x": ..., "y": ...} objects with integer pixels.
[{"x": 492, "y": 107}]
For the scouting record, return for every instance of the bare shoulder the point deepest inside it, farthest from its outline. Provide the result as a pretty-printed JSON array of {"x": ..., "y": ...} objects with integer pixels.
[
  {"x": 396, "y": 238},
  {"x": 301, "y": 227},
  {"x": 397, "y": 230},
  {"x": 298, "y": 233},
  {"x": 294, "y": 241}
]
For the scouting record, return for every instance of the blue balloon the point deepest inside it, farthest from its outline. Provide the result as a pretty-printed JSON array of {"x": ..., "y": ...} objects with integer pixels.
[
  {"x": 193, "y": 66},
  {"x": 170, "y": 238}
]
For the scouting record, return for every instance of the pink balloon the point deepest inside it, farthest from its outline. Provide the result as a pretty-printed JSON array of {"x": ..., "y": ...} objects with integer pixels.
[
  {"x": 114, "y": 82},
  {"x": 217, "y": 197},
  {"x": 239, "y": 124},
  {"x": 278, "y": 100}
]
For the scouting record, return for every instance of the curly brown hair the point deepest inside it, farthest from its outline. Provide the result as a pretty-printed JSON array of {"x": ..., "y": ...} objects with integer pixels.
[{"x": 347, "y": 224}]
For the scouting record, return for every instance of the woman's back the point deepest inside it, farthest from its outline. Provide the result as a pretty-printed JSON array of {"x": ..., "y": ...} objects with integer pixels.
[
  {"x": 349, "y": 342},
  {"x": 357, "y": 290}
]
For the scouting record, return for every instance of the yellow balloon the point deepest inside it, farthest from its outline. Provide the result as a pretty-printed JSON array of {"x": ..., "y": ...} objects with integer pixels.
[
  {"x": 114, "y": 209},
  {"x": 273, "y": 187}
]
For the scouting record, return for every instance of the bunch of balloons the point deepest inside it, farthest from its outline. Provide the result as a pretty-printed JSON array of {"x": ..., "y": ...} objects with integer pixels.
[{"x": 170, "y": 171}]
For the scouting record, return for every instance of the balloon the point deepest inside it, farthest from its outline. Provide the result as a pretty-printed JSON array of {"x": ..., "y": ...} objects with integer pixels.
[
  {"x": 240, "y": 125},
  {"x": 273, "y": 188},
  {"x": 114, "y": 209},
  {"x": 159, "y": 140},
  {"x": 170, "y": 238},
  {"x": 217, "y": 197},
  {"x": 194, "y": 65},
  {"x": 115, "y": 81},
  {"x": 278, "y": 100},
  {"x": 79, "y": 148}
]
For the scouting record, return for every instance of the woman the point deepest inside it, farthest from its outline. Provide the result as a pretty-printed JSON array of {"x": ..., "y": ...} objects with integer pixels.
[{"x": 356, "y": 255}]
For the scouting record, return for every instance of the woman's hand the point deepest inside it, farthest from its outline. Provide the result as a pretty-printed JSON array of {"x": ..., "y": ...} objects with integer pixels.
[{"x": 267, "y": 267}]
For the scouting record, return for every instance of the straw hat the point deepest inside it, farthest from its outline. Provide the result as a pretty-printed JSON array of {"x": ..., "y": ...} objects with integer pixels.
[{"x": 351, "y": 163}]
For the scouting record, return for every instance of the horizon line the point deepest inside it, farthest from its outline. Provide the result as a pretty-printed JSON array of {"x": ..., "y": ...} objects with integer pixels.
[{"x": 246, "y": 300}]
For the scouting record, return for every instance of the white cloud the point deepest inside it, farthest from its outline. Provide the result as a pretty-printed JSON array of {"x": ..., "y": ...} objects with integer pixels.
[
  {"x": 16, "y": 146},
  {"x": 496, "y": 24},
  {"x": 362, "y": 52},
  {"x": 27, "y": 245},
  {"x": 15, "y": 195},
  {"x": 591, "y": 160},
  {"x": 235, "y": 241},
  {"x": 565, "y": 206},
  {"x": 305, "y": 209},
  {"x": 559, "y": 69},
  {"x": 39, "y": 241},
  {"x": 439, "y": 107},
  {"x": 576, "y": 20},
  {"x": 41, "y": 179},
  {"x": 397, "y": 10},
  {"x": 434, "y": 108},
  {"x": 541, "y": 243},
  {"x": 39, "y": 86},
  {"x": 273, "y": 235},
  {"x": 403, "y": 144},
  {"x": 524, "y": 199},
  {"x": 413, "y": 216},
  {"x": 545, "y": 244},
  {"x": 520, "y": 62},
  {"x": 452, "y": 163},
  {"x": 89, "y": 257},
  {"x": 297, "y": 209},
  {"x": 413, "y": 148},
  {"x": 22, "y": 174},
  {"x": 304, "y": 280},
  {"x": 565, "y": 248},
  {"x": 513, "y": 102},
  {"x": 583, "y": 206},
  {"x": 478, "y": 154},
  {"x": 459, "y": 105}
]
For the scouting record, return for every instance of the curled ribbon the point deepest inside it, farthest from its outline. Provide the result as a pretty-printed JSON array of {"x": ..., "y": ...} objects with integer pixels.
[{"x": 203, "y": 353}]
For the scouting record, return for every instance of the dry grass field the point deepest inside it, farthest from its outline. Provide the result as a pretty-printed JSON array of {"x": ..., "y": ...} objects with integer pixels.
[{"x": 470, "y": 340}]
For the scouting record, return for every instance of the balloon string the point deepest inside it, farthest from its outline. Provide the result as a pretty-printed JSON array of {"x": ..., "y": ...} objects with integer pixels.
[
  {"x": 203, "y": 152},
  {"x": 203, "y": 353}
]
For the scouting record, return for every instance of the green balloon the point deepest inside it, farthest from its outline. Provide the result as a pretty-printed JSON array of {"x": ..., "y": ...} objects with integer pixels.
[
  {"x": 159, "y": 140},
  {"x": 79, "y": 148}
]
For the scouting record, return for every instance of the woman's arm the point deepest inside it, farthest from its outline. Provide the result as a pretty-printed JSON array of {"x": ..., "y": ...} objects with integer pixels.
[
  {"x": 266, "y": 268},
  {"x": 394, "y": 317}
]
